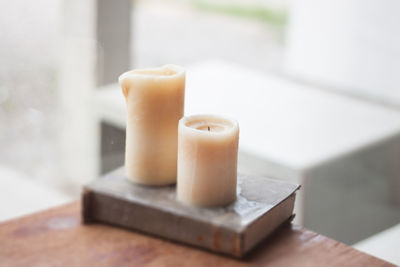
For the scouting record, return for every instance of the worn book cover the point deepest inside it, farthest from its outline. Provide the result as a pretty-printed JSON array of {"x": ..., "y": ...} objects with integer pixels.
[{"x": 262, "y": 205}]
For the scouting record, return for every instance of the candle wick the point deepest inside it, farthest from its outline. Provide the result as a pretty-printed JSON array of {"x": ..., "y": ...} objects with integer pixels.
[{"x": 208, "y": 128}]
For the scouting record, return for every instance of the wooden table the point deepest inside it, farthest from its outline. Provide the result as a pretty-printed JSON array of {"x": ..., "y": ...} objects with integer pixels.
[{"x": 56, "y": 237}]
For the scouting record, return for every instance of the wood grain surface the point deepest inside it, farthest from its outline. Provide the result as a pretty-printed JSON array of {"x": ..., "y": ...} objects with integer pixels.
[{"x": 56, "y": 237}]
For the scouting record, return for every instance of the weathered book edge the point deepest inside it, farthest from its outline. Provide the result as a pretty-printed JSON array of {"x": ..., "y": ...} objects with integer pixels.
[
  {"x": 100, "y": 207},
  {"x": 271, "y": 220}
]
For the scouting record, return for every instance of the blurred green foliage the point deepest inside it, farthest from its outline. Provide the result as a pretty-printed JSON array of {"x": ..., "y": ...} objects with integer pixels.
[{"x": 264, "y": 14}]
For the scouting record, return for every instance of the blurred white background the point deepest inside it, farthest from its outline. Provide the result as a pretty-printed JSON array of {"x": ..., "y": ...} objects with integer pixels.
[{"x": 330, "y": 72}]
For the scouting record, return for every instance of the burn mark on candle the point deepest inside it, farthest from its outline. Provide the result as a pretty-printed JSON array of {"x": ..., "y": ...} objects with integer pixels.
[{"x": 208, "y": 126}]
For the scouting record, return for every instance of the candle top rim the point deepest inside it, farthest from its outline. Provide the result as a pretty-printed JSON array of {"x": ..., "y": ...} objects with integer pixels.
[
  {"x": 168, "y": 71},
  {"x": 229, "y": 125}
]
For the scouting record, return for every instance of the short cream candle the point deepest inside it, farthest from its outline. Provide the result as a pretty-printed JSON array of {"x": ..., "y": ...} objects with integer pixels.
[
  {"x": 207, "y": 160},
  {"x": 155, "y": 103}
]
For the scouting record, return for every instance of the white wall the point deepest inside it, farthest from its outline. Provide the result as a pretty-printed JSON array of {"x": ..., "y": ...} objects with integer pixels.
[{"x": 350, "y": 45}]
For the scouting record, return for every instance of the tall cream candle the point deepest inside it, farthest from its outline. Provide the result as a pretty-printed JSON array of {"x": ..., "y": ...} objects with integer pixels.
[
  {"x": 155, "y": 103},
  {"x": 207, "y": 160}
]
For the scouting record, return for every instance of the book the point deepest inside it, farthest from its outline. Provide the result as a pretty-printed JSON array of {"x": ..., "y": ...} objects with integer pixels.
[{"x": 262, "y": 205}]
